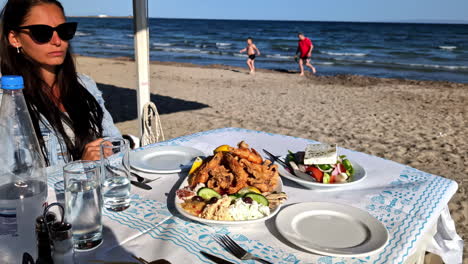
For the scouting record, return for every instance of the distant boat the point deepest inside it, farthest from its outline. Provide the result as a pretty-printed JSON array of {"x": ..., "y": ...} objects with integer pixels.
[{"x": 103, "y": 15}]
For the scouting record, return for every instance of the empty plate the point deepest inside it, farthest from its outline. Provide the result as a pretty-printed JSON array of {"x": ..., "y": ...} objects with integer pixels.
[
  {"x": 164, "y": 159},
  {"x": 332, "y": 229}
]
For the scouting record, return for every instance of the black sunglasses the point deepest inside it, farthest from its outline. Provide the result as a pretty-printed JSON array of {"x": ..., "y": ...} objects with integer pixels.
[{"x": 43, "y": 33}]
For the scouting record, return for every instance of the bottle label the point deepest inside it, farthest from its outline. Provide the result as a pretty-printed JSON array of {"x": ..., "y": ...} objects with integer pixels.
[{"x": 8, "y": 223}]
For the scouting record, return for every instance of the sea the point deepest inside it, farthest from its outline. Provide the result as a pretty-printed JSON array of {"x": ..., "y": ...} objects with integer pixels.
[{"x": 392, "y": 50}]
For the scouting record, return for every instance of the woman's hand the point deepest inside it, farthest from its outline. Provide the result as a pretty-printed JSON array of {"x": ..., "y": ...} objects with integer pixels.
[{"x": 92, "y": 150}]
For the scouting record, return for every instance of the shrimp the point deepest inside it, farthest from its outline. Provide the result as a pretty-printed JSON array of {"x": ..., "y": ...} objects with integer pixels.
[{"x": 244, "y": 152}]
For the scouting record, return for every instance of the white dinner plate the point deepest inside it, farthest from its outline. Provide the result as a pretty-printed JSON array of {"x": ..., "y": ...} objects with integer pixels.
[
  {"x": 178, "y": 202},
  {"x": 332, "y": 229},
  {"x": 308, "y": 181},
  {"x": 164, "y": 159}
]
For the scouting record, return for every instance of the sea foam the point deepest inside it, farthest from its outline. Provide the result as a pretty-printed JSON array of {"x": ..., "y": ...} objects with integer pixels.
[{"x": 344, "y": 53}]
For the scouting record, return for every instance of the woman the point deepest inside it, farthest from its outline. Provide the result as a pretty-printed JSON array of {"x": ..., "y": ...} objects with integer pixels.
[{"x": 66, "y": 108}]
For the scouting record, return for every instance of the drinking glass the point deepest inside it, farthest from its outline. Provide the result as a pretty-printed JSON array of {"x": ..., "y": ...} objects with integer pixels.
[
  {"x": 83, "y": 203},
  {"x": 115, "y": 170}
]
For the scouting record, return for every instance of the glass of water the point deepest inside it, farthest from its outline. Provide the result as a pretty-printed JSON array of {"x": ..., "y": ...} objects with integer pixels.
[
  {"x": 115, "y": 170},
  {"x": 83, "y": 203}
]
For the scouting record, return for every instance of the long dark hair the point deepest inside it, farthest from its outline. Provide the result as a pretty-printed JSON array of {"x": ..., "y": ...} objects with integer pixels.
[{"x": 84, "y": 113}]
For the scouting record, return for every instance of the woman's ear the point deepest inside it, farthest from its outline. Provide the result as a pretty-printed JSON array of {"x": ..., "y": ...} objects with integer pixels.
[{"x": 14, "y": 40}]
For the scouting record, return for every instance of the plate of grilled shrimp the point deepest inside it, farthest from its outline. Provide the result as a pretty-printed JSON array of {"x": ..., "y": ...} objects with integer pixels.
[{"x": 233, "y": 186}]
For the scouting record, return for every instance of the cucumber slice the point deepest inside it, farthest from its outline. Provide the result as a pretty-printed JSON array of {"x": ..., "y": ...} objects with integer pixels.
[
  {"x": 208, "y": 193},
  {"x": 324, "y": 167},
  {"x": 246, "y": 190},
  {"x": 234, "y": 196},
  {"x": 258, "y": 198},
  {"x": 326, "y": 178}
]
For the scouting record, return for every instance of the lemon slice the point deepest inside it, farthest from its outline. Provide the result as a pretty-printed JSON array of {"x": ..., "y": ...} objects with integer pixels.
[
  {"x": 248, "y": 189},
  {"x": 222, "y": 148},
  {"x": 198, "y": 161}
]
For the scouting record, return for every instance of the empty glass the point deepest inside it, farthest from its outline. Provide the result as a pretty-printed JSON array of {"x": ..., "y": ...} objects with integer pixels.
[
  {"x": 115, "y": 170},
  {"x": 83, "y": 203}
]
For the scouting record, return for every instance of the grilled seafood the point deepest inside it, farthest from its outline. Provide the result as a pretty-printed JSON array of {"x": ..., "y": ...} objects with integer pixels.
[
  {"x": 202, "y": 173},
  {"x": 245, "y": 152},
  {"x": 241, "y": 180},
  {"x": 262, "y": 176},
  {"x": 229, "y": 171}
]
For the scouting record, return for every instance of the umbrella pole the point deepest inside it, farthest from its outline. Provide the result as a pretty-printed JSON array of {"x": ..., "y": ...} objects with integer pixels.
[{"x": 141, "y": 39}]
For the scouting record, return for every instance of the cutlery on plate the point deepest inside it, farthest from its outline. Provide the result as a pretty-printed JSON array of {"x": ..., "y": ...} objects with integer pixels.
[
  {"x": 158, "y": 261},
  {"x": 236, "y": 250},
  {"x": 143, "y": 179},
  {"x": 215, "y": 259},
  {"x": 141, "y": 185},
  {"x": 276, "y": 158},
  {"x": 111, "y": 262},
  {"x": 295, "y": 171}
]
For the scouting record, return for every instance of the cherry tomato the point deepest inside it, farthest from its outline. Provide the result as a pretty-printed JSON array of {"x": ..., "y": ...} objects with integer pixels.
[
  {"x": 342, "y": 168},
  {"x": 316, "y": 173}
]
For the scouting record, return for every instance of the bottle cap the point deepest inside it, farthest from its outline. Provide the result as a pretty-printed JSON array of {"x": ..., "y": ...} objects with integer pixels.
[{"x": 12, "y": 82}]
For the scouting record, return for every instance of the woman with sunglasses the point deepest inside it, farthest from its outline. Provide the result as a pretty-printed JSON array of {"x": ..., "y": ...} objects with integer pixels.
[{"x": 66, "y": 108}]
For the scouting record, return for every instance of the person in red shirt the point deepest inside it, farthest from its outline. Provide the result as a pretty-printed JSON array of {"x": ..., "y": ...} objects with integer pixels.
[{"x": 304, "y": 49}]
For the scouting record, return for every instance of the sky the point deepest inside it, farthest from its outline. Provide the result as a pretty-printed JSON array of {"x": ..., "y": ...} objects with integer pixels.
[{"x": 314, "y": 10}]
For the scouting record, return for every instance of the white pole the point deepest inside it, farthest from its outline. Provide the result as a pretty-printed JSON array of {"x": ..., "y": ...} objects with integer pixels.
[{"x": 141, "y": 39}]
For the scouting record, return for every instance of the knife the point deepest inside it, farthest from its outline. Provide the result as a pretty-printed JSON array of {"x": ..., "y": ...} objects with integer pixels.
[
  {"x": 215, "y": 259},
  {"x": 296, "y": 172},
  {"x": 275, "y": 158},
  {"x": 141, "y": 185}
]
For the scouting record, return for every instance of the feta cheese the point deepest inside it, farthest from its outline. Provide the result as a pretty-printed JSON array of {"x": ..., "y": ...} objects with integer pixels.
[
  {"x": 242, "y": 211},
  {"x": 320, "y": 154}
]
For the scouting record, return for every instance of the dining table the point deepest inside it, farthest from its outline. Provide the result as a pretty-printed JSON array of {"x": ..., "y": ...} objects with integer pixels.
[{"x": 411, "y": 204}]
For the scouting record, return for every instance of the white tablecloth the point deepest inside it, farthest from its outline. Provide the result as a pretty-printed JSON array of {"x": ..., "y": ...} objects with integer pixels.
[{"x": 407, "y": 201}]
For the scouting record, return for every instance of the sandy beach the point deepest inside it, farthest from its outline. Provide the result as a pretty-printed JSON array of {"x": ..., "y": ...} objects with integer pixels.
[{"x": 419, "y": 123}]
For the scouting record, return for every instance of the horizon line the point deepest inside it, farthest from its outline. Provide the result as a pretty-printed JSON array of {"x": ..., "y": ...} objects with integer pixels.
[{"x": 410, "y": 21}]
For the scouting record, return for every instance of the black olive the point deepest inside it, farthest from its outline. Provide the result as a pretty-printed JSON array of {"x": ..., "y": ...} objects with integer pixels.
[
  {"x": 197, "y": 198},
  {"x": 213, "y": 200},
  {"x": 247, "y": 200}
]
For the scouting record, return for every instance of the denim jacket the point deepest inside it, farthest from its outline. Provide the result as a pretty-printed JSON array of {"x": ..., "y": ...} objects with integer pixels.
[{"x": 56, "y": 148}]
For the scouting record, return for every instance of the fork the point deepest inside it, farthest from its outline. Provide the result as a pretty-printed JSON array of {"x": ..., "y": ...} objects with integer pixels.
[{"x": 236, "y": 250}]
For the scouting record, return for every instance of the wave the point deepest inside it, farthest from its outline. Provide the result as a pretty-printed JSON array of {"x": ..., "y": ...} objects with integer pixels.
[
  {"x": 323, "y": 63},
  {"x": 130, "y": 35},
  {"x": 117, "y": 46},
  {"x": 447, "y": 47},
  {"x": 281, "y": 47},
  {"x": 222, "y": 45},
  {"x": 79, "y": 33},
  {"x": 344, "y": 53},
  {"x": 161, "y": 44},
  {"x": 279, "y": 56},
  {"x": 182, "y": 50},
  {"x": 435, "y": 66}
]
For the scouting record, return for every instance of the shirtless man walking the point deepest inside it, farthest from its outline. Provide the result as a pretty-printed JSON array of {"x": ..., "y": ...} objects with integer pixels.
[
  {"x": 304, "y": 49},
  {"x": 252, "y": 51}
]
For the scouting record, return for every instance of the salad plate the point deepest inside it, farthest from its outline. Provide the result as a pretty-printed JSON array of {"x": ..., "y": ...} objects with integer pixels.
[
  {"x": 309, "y": 182},
  {"x": 332, "y": 229},
  {"x": 182, "y": 211},
  {"x": 164, "y": 159}
]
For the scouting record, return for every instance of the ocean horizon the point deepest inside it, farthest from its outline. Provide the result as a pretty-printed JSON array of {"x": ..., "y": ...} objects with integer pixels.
[{"x": 377, "y": 49}]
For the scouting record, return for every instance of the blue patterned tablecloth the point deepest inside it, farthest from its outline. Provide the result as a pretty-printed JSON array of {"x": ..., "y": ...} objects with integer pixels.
[{"x": 407, "y": 201}]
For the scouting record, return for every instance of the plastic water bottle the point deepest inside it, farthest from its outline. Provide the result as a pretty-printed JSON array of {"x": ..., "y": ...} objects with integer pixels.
[{"x": 23, "y": 181}]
